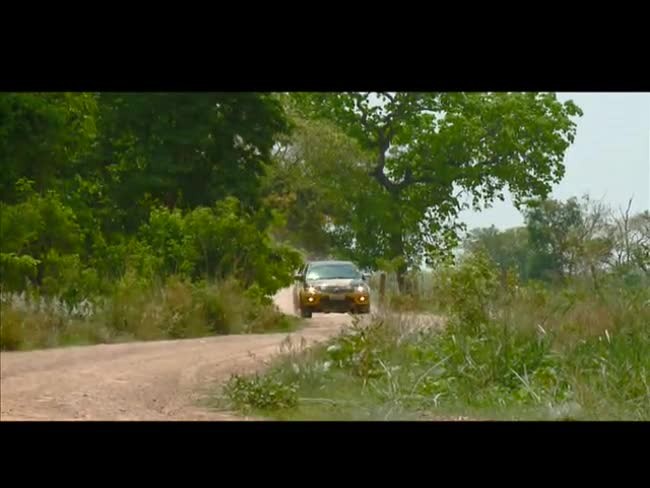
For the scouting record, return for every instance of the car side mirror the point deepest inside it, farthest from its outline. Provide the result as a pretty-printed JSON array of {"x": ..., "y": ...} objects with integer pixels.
[
  {"x": 297, "y": 277},
  {"x": 365, "y": 277}
]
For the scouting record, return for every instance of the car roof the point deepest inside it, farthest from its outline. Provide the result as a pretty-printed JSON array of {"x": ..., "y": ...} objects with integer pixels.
[{"x": 310, "y": 263}]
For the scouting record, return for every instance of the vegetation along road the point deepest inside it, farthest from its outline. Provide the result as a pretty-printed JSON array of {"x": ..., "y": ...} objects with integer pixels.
[
  {"x": 161, "y": 380},
  {"x": 143, "y": 237}
]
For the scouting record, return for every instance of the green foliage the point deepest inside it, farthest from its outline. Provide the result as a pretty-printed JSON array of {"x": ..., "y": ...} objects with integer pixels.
[
  {"x": 509, "y": 249},
  {"x": 16, "y": 270},
  {"x": 539, "y": 352},
  {"x": 20, "y": 329},
  {"x": 139, "y": 310},
  {"x": 357, "y": 349},
  {"x": 65, "y": 276},
  {"x": 132, "y": 203},
  {"x": 187, "y": 149},
  {"x": 39, "y": 224},
  {"x": 43, "y": 138},
  {"x": 550, "y": 225},
  {"x": 261, "y": 393},
  {"x": 317, "y": 168},
  {"x": 568, "y": 240},
  {"x": 469, "y": 289},
  {"x": 177, "y": 310},
  {"x": 40, "y": 245},
  {"x": 164, "y": 236},
  {"x": 424, "y": 147},
  {"x": 216, "y": 243},
  {"x": 11, "y": 335}
]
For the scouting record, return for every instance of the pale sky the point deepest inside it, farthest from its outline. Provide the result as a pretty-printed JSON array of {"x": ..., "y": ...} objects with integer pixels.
[{"x": 609, "y": 160}]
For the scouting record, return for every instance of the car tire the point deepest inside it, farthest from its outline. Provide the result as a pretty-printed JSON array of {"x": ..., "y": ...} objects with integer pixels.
[{"x": 305, "y": 313}]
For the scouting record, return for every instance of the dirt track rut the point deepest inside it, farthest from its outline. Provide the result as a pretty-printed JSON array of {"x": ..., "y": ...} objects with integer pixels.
[{"x": 163, "y": 380}]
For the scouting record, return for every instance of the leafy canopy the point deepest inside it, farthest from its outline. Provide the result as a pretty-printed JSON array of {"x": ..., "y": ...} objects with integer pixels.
[{"x": 427, "y": 152}]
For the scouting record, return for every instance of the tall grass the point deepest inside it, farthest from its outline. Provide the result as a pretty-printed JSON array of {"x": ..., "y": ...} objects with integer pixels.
[
  {"x": 138, "y": 310},
  {"x": 507, "y": 352}
]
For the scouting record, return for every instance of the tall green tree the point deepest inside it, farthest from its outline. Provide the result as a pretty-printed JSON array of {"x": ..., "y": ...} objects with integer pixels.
[
  {"x": 430, "y": 150},
  {"x": 313, "y": 185},
  {"x": 85, "y": 176},
  {"x": 186, "y": 149},
  {"x": 509, "y": 249},
  {"x": 44, "y": 137},
  {"x": 568, "y": 238}
]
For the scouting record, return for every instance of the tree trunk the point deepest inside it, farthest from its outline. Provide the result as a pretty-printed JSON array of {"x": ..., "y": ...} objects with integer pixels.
[
  {"x": 397, "y": 251},
  {"x": 401, "y": 281},
  {"x": 595, "y": 280},
  {"x": 394, "y": 189},
  {"x": 382, "y": 287}
]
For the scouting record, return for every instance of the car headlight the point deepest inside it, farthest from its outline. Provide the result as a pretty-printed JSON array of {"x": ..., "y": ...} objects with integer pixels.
[
  {"x": 311, "y": 290},
  {"x": 361, "y": 288}
]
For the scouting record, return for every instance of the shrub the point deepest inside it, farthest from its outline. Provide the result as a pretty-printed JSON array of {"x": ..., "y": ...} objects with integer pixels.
[
  {"x": 261, "y": 393},
  {"x": 223, "y": 307},
  {"x": 29, "y": 329},
  {"x": 538, "y": 353},
  {"x": 468, "y": 290},
  {"x": 141, "y": 310}
]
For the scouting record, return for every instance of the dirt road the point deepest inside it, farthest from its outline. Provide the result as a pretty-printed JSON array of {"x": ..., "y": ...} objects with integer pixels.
[{"x": 161, "y": 380}]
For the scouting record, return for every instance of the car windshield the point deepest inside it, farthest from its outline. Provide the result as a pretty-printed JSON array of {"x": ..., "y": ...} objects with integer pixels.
[{"x": 333, "y": 271}]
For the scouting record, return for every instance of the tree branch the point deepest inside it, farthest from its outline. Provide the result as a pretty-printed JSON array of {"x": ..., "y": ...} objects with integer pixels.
[
  {"x": 378, "y": 171},
  {"x": 388, "y": 95},
  {"x": 385, "y": 135},
  {"x": 364, "y": 115}
]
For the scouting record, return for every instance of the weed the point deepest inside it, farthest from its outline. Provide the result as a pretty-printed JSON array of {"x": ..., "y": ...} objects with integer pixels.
[
  {"x": 139, "y": 310},
  {"x": 261, "y": 392},
  {"x": 512, "y": 352}
]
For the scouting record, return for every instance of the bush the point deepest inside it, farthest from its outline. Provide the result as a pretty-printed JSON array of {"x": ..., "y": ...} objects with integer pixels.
[
  {"x": 535, "y": 352},
  {"x": 141, "y": 310},
  {"x": 216, "y": 243},
  {"x": 261, "y": 393},
  {"x": 35, "y": 235},
  {"x": 223, "y": 307},
  {"x": 267, "y": 318},
  {"x": 404, "y": 303},
  {"x": 179, "y": 309},
  {"x": 29, "y": 329},
  {"x": 17, "y": 271},
  {"x": 468, "y": 290},
  {"x": 11, "y": 329}
]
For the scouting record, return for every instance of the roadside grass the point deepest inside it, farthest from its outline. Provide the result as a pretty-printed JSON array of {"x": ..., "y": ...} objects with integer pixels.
[
  {"x": 176, "y": 309},
  {"x": 374, "y": 373},
  {"x": 506, "y": 353}
]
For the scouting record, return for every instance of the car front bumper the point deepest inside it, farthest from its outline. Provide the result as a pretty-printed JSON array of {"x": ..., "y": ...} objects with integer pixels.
[{"x": 321, "y": 301}]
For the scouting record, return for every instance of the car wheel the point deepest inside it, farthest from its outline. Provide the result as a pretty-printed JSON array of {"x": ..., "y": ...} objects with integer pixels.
[{"x": 305, "y": 313}]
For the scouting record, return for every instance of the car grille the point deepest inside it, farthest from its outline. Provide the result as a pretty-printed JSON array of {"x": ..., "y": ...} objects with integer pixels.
[
  {"x": 337, "y": 289},
  {"x": 336, "y": 305}
]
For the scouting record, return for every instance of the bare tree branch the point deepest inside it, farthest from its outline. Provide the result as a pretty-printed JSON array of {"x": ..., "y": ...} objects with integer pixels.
[{"x": 626, "y": 230}]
